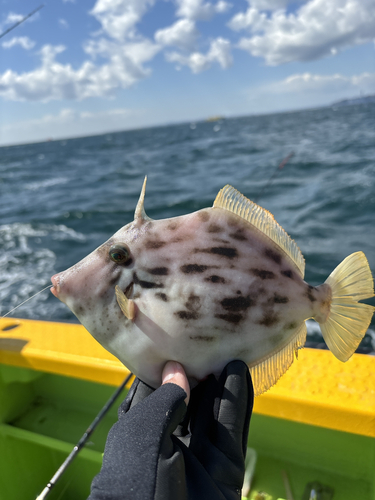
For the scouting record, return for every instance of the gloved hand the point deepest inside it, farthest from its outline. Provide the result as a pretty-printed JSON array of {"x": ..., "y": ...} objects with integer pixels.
[{"x": 162, "y": 450}]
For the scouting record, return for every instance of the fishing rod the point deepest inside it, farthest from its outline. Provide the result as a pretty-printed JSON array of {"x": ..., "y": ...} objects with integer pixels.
[
  {"x": 279, "y": 167},
  {"x": 81, "y": 443},
  {"x": 22, "y": 20},
  {"x": 60, "y": 471}
]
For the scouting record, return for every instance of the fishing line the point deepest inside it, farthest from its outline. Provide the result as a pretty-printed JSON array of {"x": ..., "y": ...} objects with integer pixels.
[
  {"x": 279, "y": 167},
  {"x": 19, "y": 305},
  {"x": 21, "y": 21},
  {"x": 60, "y": 471}
]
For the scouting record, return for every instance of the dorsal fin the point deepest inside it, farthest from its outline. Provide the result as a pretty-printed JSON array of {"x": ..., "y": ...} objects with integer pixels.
[
  {"x": 140, "y": 209},
  {"x": 232, "y": 200}
]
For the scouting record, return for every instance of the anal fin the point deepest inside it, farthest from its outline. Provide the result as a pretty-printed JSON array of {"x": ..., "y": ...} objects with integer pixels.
[{"x": 266, "y": 373}]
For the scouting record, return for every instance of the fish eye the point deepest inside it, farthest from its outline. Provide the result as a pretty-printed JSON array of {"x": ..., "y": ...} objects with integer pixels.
[{"x": 119, "y": 253}]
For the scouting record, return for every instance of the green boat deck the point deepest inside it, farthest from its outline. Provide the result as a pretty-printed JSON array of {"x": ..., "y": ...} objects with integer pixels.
[{"x": 44, "y": 414}]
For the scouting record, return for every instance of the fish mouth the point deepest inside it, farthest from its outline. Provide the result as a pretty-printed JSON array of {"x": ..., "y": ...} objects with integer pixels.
[{"x": 55, "y": 290}]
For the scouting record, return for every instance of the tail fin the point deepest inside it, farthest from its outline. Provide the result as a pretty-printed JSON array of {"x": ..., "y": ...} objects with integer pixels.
[{"x": 348, "y": 320}]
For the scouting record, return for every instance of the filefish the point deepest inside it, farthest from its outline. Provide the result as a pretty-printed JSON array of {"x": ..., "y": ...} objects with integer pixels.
[{"x": 205, "y": 288}]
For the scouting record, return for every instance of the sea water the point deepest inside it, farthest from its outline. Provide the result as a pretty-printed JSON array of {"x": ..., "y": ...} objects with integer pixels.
[{"x": 59, "y": 200}]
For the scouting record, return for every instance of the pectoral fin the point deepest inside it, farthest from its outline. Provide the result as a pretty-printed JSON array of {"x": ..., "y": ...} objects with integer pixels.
[{"x": 127, "y": 306}]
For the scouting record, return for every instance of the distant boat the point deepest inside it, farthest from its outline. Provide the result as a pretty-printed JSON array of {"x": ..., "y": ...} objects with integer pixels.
[{"x": 214, "y": 118}]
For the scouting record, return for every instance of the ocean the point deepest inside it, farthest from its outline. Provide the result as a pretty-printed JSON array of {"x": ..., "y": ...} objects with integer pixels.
[{"x": 61, "y": 199}]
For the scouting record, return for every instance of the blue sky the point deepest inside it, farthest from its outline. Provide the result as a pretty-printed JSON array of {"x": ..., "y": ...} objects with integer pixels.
[{"x": 82, "y": 67}]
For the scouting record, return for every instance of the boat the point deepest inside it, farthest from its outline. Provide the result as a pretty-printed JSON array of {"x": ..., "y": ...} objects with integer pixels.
[
  {"x": 216, "y": 118},
  {"x": 316, "y": 425}
]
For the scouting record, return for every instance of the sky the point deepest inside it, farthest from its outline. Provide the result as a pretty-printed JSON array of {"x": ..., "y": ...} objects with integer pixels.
[{"x": 84, "y": 67}]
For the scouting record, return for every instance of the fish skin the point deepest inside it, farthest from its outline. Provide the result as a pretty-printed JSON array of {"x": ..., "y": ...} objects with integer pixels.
[
  {"x": 205, "y": 288},
  {"x": 208, "y": 288}
]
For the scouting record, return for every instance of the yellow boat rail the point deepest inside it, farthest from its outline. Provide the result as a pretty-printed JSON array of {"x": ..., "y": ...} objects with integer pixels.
[{"x": 317, "y": 390}]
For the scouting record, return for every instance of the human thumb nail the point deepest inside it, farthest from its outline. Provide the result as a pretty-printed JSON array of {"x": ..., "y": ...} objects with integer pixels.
[{"x": 174, "y": 373}]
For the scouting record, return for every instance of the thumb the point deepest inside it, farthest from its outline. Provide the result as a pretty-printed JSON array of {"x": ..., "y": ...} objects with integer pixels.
[{"x": 173, "y": 373}]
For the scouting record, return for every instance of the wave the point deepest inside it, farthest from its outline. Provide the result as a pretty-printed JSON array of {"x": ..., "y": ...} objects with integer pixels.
[
  {"x": 27, "y": 264},
  {"x": 315, "y": 339},
  {"x": 34, "y": 186}
]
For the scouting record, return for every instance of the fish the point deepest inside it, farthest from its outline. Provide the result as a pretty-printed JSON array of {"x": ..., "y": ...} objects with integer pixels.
[{"x": 205, "y": 288}]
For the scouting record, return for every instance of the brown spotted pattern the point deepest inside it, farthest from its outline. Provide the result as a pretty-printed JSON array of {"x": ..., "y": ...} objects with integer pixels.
[
  {"x": 230, "y": 317},
  {"x": 202, "y": 338},
  {"x": 310, "y": 293},
  {"x": 214, "y": 228},
  {"x": 187, "y": 315},
  {"x": 270, "y": 318},
  {"x": 162, "y": 296},
  {"x": 288, "y": 273},
  {"x": 215, "y": 279},
  {"x": 206, "y": 287},
  {"x": 263, "y": 274},
  {"x": 154, "y": 244},
  {"x": 159, "y": 271},
  {"x": 239, "y": 235},
  {"x": 228, "y": 252},
  {"x": 204, "y": 216},
  {"x": 193, "y": 268},
  {"x": 273, "y": 255}
]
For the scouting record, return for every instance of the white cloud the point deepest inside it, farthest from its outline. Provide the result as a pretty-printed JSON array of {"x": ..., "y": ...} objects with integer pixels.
[
  {"x": 53, "y": 80},
  {"x": 12, "y": 17},
  {"x": 222, "y": 6},
  {"x": 317, "y": 29},
  {"x": 199, "y": 10},
  {"x": 64, "y": 23},
  {"x": 270, "y": 4},
  {"x": 336, "y": 84},
  {"x": 128, "y": 57},
  {"x": 304, "y": 90},
  {"x": 252, "y": 18},
  {"x": 105, "y": 114},
  {"x": 182, "y": 34},
  {"x": 219, "y": 52},
  {"x": 125, "y": 53},
  {"x": 22, "y": 41},
  {"x": 119, "y": 17}
]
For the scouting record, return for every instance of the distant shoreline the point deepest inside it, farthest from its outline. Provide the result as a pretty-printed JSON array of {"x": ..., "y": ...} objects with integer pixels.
[
  {"x": 358, "y": 100},
  {"x": 345, "y": 102}
]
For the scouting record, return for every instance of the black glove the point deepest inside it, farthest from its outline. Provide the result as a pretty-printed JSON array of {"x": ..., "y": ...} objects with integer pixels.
[{"x": 161, "y": 450}]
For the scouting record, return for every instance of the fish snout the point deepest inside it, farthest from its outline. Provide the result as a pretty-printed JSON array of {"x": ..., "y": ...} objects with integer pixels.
[
  {"x": 66, "y": 285},
  {"x": 56, "y": 285},
  {"x": 88, "y": 281}
]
